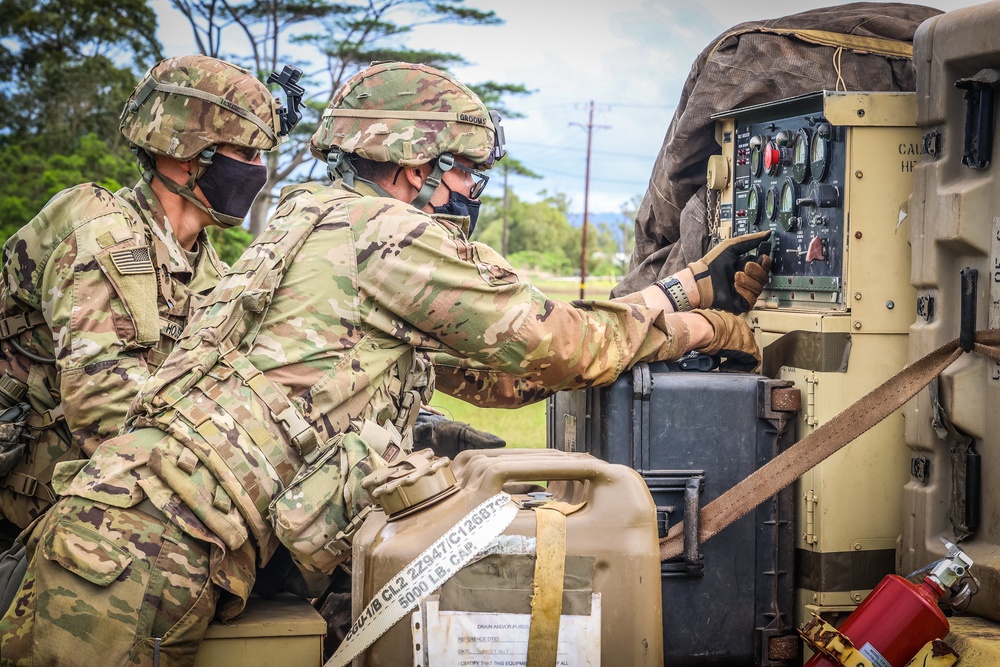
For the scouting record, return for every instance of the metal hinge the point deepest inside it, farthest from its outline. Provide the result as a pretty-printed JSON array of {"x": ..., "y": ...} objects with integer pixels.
[
  {"x": 810, "y": 416},
  {"x": 811, "y": 501}
]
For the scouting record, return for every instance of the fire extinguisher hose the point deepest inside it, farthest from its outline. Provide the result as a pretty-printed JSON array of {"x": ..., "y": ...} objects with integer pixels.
[{"x": 825, "y": 440}]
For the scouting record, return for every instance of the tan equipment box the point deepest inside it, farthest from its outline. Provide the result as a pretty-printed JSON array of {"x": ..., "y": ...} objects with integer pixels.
[{"x": 282, "y": 632}]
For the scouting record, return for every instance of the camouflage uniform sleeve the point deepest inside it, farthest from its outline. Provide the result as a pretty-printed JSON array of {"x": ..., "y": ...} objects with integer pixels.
[
  {"x": 489, "y": 388},
  {"x": 58, "y": 264},
  {"x": 483, "y": 386},
  {"x": 465, "y": 298},
  {"x": 633, "y": 298}
]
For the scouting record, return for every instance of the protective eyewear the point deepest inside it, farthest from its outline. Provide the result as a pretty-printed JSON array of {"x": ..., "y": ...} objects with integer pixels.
[{"x": 479, "y": 177}]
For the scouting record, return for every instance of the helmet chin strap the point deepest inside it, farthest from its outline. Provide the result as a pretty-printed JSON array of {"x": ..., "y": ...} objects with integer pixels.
[
  {"x": 147, "y": 166},
  {"x": 339, "y": 166},
  {"x": 444, "y": 163}
]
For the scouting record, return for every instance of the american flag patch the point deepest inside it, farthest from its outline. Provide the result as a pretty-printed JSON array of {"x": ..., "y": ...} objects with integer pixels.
[{"x": 131, "y": 261}]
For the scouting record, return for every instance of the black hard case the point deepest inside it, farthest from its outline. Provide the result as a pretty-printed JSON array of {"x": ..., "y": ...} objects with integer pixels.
[{"x": 692, "y": 436}]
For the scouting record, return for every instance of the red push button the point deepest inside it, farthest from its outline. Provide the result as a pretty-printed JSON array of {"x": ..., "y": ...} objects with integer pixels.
[{"x": 772, "y": 158}]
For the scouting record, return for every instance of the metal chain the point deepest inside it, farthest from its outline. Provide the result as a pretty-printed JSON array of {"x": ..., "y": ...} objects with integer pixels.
[{"x": 713, "y": 214}]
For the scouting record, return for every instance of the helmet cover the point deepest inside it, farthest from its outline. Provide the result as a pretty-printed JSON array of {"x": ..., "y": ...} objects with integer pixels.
[
  {"x": 407, "y": 114},
  {"x": 186, "y": 104}
]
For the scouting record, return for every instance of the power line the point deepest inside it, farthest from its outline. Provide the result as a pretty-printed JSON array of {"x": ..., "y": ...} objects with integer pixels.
[
  {"x": 610, "y": 105},
  {"x": 568, "y": 149},
  {"x": 553, "y": 172}
]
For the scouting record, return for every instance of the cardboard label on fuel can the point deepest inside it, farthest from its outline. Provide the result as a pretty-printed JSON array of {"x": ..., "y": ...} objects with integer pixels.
[{"x": 484, "y": 639}]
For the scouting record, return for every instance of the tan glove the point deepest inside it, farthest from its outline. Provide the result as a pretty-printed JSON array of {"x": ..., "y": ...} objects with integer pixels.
[
  {"x": 732, "y": 340},
  {"x": 727, "y": 278}
]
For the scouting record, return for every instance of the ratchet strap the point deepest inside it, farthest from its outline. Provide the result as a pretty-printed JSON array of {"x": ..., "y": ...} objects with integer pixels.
[{"x": 825, "y": 440}]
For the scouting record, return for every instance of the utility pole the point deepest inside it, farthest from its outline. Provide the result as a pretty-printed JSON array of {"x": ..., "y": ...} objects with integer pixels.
[{"x": 586, "y": 199}]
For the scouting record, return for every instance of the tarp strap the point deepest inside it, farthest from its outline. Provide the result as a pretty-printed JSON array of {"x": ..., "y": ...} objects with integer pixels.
[{"x": 890, "y": 48}]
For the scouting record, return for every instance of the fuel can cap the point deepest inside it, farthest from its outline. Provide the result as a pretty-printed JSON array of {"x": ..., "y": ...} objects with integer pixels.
[{"x": 411, "y": 483}]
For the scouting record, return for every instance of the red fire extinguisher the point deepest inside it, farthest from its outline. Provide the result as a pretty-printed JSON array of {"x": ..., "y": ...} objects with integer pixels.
[{"x": 898, "y": 618}]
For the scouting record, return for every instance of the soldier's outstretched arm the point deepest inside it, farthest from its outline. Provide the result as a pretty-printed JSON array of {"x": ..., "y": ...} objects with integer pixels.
[
  {"x": 464, "y": 297},
  {"x": 483, "y": 386}
]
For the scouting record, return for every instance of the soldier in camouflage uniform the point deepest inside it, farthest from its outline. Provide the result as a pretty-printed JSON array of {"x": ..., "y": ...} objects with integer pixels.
[
  {"x": 304, "y": 370},
  {"x": 98, "y": 287}
]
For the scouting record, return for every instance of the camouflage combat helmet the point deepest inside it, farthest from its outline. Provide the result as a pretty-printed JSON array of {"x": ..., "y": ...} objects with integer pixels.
[
  {"x": 409, "y": 115},
  {"x": 186, "y": 105}
]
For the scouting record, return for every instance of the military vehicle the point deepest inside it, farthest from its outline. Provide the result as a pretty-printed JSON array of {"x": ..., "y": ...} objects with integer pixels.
[{"x": 886, "y": 246}]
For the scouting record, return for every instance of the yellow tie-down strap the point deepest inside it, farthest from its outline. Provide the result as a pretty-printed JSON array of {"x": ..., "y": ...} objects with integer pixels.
[
  {"x": 550, "y": 568},
  {"x": 890, "y": 48}
]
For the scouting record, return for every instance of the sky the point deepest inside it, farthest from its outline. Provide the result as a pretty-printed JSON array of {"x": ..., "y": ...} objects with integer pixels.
[{"x": 629, "y": 57}]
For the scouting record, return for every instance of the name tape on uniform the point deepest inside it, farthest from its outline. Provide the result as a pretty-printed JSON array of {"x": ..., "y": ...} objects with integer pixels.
[{"x": 425, "y": 574}]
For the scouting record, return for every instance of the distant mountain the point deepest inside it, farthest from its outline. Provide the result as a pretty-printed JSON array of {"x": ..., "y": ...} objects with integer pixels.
[{"x": 610, "y": 219}]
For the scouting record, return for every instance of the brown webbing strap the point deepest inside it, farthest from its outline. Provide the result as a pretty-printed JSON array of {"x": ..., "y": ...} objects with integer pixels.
[
  {"x": 547, "y": 596},
  {"x": 824, "y": 441}
]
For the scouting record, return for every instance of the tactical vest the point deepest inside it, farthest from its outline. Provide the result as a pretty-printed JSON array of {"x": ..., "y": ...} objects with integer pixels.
[
  {"x": 239, "y": 444},
  {"x": 129, "y": 257}
]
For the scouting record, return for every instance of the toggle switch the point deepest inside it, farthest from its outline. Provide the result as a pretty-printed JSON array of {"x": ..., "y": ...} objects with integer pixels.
[{"x": 817, "y": 249}]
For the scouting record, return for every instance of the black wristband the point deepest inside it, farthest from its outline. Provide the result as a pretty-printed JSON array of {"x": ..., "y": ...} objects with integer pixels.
[{"x": 675, "y": 294}]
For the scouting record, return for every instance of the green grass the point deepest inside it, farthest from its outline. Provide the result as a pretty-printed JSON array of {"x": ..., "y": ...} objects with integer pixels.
[
  {"x": 523, "y": 427},
  {"x": 567, "y": 289}
]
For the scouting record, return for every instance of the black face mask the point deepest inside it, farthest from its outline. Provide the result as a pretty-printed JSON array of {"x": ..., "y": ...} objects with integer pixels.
[
  {"x": 459, "y": 204},
  {"x": 230, "y": 186}
]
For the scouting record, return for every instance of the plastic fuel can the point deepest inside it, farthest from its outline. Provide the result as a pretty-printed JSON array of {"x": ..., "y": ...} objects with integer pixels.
[{"x": 611, "y": 609}]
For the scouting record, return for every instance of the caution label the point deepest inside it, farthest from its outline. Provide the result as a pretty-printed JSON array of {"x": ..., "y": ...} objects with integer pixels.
[{"x": 874, "y": 656}]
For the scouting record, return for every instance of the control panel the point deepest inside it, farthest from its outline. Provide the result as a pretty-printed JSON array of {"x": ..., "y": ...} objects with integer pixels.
[
  {"x": 790, "y": 179},
  {"x": 788, "y": 175},
  {"x": 830, "y": 174}
]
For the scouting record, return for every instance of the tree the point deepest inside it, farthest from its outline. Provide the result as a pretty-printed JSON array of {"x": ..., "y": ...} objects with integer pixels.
[
  {"x": 229, "y": 243},
  {"x": 31, "y": 178},
  {"x": 629, "y": 210},
  {"x": 508, "y": 166},
  {"x": 350, "y": 36},
  {"x": 61, "y": 91},
  {"x": 540, "y": 235},
  {"x": 603, "y": 240},
  {"x": 58, "y": 74}
]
